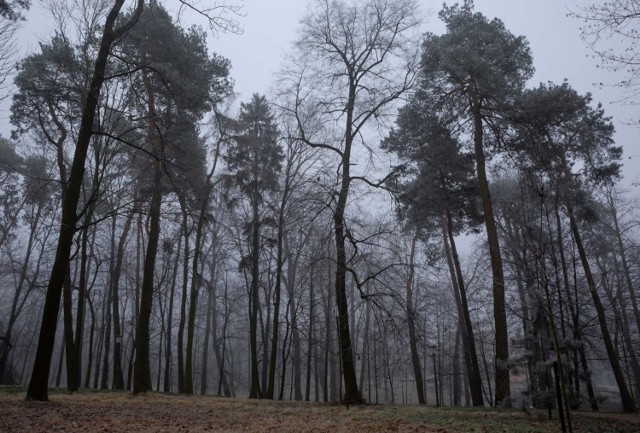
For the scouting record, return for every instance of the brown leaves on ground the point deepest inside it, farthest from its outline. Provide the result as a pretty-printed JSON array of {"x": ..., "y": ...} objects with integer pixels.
[{"x": 119, "y": 412}]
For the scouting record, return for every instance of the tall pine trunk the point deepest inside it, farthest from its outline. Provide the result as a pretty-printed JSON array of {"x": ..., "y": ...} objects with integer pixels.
[
  {"x": 141, "y": 367},
  {"x": 499, "y": 309}
]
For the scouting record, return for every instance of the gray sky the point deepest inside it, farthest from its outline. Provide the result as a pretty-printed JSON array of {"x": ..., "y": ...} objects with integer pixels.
[
  {"x": 558, "y": 53},
  {"x": 270, "y": 27}
]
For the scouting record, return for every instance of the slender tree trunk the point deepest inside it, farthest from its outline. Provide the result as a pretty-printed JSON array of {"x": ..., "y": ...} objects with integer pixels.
[
  {"x": 351, "y": 391},
  {"x": 183, "y": 299},
  {"x": 459, "y": 287},
  {"x": 205, "y": 349},
  {"x": 277, "y": 292},
  {"x": 60, "y": 363},
  {"x": 573, "y": 310},
  {"x": 82, "y": 293},
  {"x": 265, "y": 326},
  {"x": 168, "y": 362},
  {"x": 17, "y": 304},
  {"x": 254, "y": 391},
  {"x": 327, "y": 345},
  {"x": 87, "y": 378},
  {"x": 365, "y": 348},
  {"x": 310, "y": 338},
  {"x": 627, "y": 401},
  {"x": 118, "y": 377},
  {"x": 194, "y": 300},
  {"x": 71, "y": 359},
  {"x": 295, "y": 333},
  {"x": 457, "y": 386},
  {"x": 286, "y": 349},
  {"x": 558, "y": 367},
  {"x": 413, "y": 343},
  {"x": 220, "y": 355},
  {"x": 107, "y": 341}
]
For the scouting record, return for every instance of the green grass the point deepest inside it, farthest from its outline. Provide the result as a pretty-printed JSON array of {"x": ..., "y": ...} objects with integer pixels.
[{"x": 12, "y": 389}]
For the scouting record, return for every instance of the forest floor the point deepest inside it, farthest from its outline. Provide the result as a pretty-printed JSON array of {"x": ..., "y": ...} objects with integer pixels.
[{"x": 87, "y": 411}]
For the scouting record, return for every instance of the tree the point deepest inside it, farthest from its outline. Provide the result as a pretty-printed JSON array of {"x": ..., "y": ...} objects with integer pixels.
[
  {"x": 473, "y": 72},
  {"x": 439, "y": 184},
  {"x": 614, "y": 24},
  {"x": 36, "y": 193},
  {"x": 47, "y": 102},
  {"x": 12, "y": 9},
  {"x": 180, "y": 82},
  {"x": 255, "y": 159},
  {"x": 110, "y": 33},
  {"x": 49, "y": 97},
  {"x": 558, "y": 130},
  {"x": 8, "y": 48},
  {"x": 356, "y": 60}
]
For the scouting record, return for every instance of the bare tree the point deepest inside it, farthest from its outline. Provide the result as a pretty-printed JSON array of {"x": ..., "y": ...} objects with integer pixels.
[
  {"x": 356, "y": 60},
  {"x": 610, "y": 30},
  {"x": 7, "y": 53}
]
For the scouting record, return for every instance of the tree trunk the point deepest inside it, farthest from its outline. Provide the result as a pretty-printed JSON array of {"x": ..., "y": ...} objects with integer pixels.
[
  {"x": 413, "y": 344},
  {"x": 327, "y": 345},
  {"x": 277, "y": 292},
  {"x": 17, "y": 304},
  {"x": 254, "y": 391},
  {"x": 205, "y": 349},
  {"x": 310, "y": 338},
  {"x": 60, "y": 362},
  {"x": 141, "y": 368},
  {"x": 220, "y": 357},
  {"x": 295, "y": 333},
  {"x": 460, "y": 292},
  {"x": 71, "y": 359},
  {"x": 194, "y": 300},
  {"x": 168, "y": 362},
  {"x": 87, "y": 378},
  {"x": 573, "y": 310},
  {"x": 41, "y": 367},
  {"x": 499, "y": 313},
  {"x": 118, "y": 377},
  {"x": 627, "y": 401},
  {"x": 107, "y": 341},
  {"x": 82, "y": 293},
  {"x": 183, "y": 299},
  {"x": 456, "y": 385},
  {"x": 365, "y": 349},
  {"x": 285, "y": 353}
]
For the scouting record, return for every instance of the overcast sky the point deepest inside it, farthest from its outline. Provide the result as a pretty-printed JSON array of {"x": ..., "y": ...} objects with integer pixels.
[{"x": 270, "y": 27}]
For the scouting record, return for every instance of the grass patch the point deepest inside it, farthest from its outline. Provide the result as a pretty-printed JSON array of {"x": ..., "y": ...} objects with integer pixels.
[{"x": 12, "y": 389}]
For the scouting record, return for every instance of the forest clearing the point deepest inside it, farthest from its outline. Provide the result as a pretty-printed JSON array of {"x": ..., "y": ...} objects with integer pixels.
[{"x": 122, "y": 412}]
